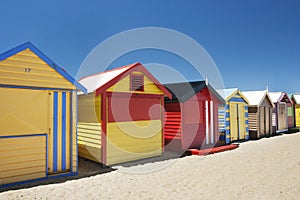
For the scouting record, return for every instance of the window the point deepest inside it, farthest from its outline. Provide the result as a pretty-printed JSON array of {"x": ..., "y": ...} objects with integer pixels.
[{"x": 136, "y": 82}]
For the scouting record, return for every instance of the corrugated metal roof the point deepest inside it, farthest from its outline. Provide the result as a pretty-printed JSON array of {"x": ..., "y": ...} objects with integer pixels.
[
  {"x": 92, "y": 82},
  {"x": 275, "y": 96},
  {"x": 227, "y": 92},
  {"x": 255, "y": 97},
  {"x": 185, "y": 90},
  {"x": 297, "y": 98}
]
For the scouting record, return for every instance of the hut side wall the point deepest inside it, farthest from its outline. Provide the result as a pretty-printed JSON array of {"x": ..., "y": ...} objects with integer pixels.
[
  {"x": 253, "y": 121},
  {"x": 173, "y": 126},
  {"x": 89, "y": 127}
]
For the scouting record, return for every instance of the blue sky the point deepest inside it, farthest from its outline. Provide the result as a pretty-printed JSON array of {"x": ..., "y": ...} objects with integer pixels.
[{"x": 253, "y": 43}]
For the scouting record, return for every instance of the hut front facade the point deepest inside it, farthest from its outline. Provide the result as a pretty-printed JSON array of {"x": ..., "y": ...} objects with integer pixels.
[
  {"x": 296, "y": 102},
  {"x": 191, "y": 116},
  {"x": 121, "y": 118},
  {"x": 282, "y": 115},
  {"x": 236, "y": 116},
  {"x": 259, "y": 114},
  {"x": 38, "y": 117}
]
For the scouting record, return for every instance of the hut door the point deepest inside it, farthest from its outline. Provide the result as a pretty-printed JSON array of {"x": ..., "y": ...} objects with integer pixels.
[
  {"x": 282, "y": 117},
  {"x": 241, "y": 121},
  {"x": 233, "y": 121},
  {"x": 59, "y": 144},
  {"x": 267, "y": 120},
  {"x": 262, "y": 121}
]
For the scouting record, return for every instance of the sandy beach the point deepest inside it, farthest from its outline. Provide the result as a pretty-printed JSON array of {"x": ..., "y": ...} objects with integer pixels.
[{"x": 268, "y": 168}]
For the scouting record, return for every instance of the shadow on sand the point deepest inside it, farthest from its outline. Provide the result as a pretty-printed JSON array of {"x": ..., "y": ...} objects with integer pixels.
[{"x": 87, "y": 168}]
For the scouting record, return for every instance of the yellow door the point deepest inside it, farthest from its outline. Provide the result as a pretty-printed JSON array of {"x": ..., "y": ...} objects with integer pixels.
[
  {"x": 241, "y": 121},
  {"x": 233, "y": 121},
  {"x": 297, "y": 107}
]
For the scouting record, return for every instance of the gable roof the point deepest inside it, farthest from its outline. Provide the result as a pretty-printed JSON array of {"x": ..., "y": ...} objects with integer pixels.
[
  {"x": 255, "y": 98},
  {"x": 47, "y": 60},
  {"x": 296, "y": 98},
  {"x": 231, "y": 92},
  {"x": 185, "y": 90},
  {"x": 278, "y": 96},
  {"x": 102, "y": 81}
]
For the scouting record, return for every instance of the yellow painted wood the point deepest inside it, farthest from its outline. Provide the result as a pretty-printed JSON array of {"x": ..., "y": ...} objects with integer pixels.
[
  {"x": 90, "y": 153},
  {"x": 22, "y": 162},
  {"x": 20, "y": 172},
  {"x": 89, "y": 108},
  {"x": 20, "y": 152},
  {"x": 50, "y": 131},
  {"x": 68, "y": 131},
  {"x": 22, "y": 178},
  {"x": 89, "y": 144},
  {"x": 233, "y": 121},
  {"x": 297, "y": 114},
  {"x": 242, "y": 128},
  {"x": 23, "y": 111},
  {"x": 13, "y": 70},
  {"x": 7, "y": 143},
  {"x": 89, "y": 134},
  {"x": 128, "y": 141},
  {"x": 124, "y": 86},
  {"x": 22, "y": 165},
  {"x": 74, "y": 128}
]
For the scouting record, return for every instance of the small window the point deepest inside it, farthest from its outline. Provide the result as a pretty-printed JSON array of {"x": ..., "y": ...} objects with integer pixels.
[{"x": 137, "y": 82}]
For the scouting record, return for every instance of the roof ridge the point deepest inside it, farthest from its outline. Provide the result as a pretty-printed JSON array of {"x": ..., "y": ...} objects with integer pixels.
[{"x": 110, "y": 70}]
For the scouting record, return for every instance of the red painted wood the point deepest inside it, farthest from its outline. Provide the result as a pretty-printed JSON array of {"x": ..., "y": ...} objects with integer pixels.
[
  {"x": 133, "y": 108},
  {"x": 202, "y": 152},
  {"x": 193, "y": 120},
  {"x": 162, "y": 124}
]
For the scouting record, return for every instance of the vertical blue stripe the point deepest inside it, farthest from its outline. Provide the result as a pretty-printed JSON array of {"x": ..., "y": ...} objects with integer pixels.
[
  {"x": 55, "y": 110},
  {"x": 63, "y": 131}
]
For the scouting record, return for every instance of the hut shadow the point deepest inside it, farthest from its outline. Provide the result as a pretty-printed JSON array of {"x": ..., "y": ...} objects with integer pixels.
[
  {"x": 86, "y": 168},
  {"x": 168, "y": 155}
]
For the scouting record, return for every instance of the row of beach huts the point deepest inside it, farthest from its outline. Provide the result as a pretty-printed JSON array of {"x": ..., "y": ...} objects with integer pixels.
[{"x": 48, "y": 118}]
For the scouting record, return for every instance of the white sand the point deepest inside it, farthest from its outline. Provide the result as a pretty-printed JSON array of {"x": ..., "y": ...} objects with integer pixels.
[{"x": 265, "y": 169}]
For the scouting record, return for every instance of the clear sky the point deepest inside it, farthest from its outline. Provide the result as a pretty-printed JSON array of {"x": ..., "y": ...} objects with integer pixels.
[{"x": 254, "y": 43}]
